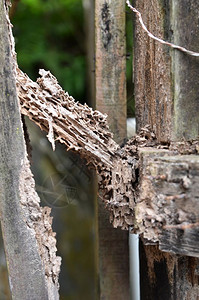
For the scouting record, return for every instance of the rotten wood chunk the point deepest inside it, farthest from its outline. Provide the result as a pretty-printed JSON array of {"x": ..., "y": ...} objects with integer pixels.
[
  {"x": 86, "y": 131},
  {"x": 152, "y": 191},
  {"x": 167, "y": 210}
]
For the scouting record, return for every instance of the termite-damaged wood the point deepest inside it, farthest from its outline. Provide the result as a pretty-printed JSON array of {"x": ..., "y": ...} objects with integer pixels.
[
  {"x": 39, "y": 221},
  {"x": 167, "y": 187},
  {"x": 166, "y": 84},
  {"x": 86, "y": 131}
]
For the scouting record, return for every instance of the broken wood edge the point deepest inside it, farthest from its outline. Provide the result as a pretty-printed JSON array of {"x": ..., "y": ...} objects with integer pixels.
[
  {"x": 39, "y": 222},
  {"x": 85, "y": 131}
]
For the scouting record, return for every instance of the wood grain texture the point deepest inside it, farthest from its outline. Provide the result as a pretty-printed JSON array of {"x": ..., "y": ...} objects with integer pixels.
[
  {"x": 89, "y": 20},
  {"x": 166, "y": 178},
  {"x": 168, "y": 202},
  {"x": 26, "y": 274},
  {"x": 152, "y": 70},
  {"x": 166, "y": 80},
  {"x": 85, "y": 131},
  {"x": 184, "y": 20},
  {"x": 166, "y": 276},
  {"x": 110, "y": 74},
  {"x": 111, "y": 64},
  {"x": 29, "y": 241},
  {"x": 166, "y": 98}
]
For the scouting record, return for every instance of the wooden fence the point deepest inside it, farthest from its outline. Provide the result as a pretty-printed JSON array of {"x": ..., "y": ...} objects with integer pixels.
[{"x": 164, "y": 208}]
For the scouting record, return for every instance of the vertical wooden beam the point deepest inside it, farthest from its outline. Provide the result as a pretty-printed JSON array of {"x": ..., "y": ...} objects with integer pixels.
[
  {"x": 26, "y": 273},
  {"x": 89, "y": 21},
  {"x": 111, "y": 99},
  {"x": 184, "y": 22},
  {"x": 165, "y": 276},
  {"x": 166, "y": 80},
  {"x": 111, "y": 64},
  {"x": 152, "y": 70},
  {"x": 166, "y": 95}
]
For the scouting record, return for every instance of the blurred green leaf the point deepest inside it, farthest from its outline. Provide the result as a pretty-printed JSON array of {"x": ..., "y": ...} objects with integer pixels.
[{"x": 50, "y": 34}]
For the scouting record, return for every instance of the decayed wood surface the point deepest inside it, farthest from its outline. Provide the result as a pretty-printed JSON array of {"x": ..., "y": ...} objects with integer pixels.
[
  {"x": 110, "y": 68},
  {"x": 155, "y": 218},
  {"x": 166, "y": 84},
  {"x": 165, "y": 276},
  {"x": 158, "y": 217},
  {"x": 168, "y": 208},
  {"x": 86, "y": 131},
  {"x": 29, "y": 241}
]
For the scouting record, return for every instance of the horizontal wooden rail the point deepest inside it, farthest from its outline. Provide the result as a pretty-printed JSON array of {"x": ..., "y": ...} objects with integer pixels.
[{"x": 167, "y": 209}]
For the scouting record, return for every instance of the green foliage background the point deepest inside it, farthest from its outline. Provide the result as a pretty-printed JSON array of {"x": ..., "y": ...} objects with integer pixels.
[{"x": 50, "y": 34}]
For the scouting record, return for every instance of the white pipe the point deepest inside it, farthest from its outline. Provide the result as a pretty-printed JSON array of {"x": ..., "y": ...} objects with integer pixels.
[{"x": 134, "y": 266}]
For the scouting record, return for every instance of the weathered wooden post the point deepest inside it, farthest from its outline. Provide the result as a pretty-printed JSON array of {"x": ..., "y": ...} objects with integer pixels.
[
  {"x": 111, "y": 99},
  {"x": 166, "y": 94},
  {"x": 26, "y": 227},
  {"x": 89, "y": 21}
]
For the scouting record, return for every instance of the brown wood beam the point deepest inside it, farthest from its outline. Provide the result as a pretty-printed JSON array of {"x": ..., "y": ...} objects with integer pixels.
[
  {"x": 29, "y": 241},
  {"x": 167, "y": 209},
  {"x": 110, "y": 75}
]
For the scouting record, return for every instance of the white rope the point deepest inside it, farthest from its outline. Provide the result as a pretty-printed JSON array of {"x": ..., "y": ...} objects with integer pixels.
[{"x": 156, "y": 38}]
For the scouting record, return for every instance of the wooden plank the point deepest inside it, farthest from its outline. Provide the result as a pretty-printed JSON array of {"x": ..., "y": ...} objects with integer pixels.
[
  {"x": 168, "y": 205},
  {"x": 184, "y": 23},
  {"x": 89, "y": 20},
  {"x": 111, "y": 64},
  {"x": 166, "y": 78},
  {"x": 111, "y": 99},
  {"x": 152, "y": 70}
]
